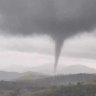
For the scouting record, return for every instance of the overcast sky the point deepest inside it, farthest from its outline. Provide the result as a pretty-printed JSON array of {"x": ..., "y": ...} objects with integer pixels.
[
  {"x": 38, "y": 50},
  {"x": 70, "y": 21}
]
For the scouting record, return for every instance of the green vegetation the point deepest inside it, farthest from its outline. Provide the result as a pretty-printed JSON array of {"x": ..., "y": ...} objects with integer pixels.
[{"x": 26, "y": 89}]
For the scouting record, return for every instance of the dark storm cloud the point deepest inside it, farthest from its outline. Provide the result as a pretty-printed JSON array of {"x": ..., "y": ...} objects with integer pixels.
[{"x": 57, "y": 18}]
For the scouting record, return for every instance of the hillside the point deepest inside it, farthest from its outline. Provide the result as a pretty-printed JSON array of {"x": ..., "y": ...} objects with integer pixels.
[
  {"x": 22, "y": 89},
  {"x": 64, "y": 80},
  {"x": 76, "y": 69},
  {"x": 30, "y": 76},
  {"x": 78, "y": 90},
  {"x": 9, "y": 76},
  {"x": 13, "y": 76},
  {"x": 73, "y": 69}
]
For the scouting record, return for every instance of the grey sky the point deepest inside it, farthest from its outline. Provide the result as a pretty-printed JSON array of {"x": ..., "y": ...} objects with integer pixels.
[
  {"x": 63, "y": 17},
  {"x": 58, "y": 19},
  {"x": 27, "y": 51},
  {"x": 80, "y": 45}
]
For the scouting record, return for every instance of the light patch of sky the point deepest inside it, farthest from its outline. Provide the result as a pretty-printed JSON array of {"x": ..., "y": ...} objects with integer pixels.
[{"x": 39, "y": 50}]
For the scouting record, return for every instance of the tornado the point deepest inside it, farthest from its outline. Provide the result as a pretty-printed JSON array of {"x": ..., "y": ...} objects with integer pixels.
[{"x": 58, "y": 47}]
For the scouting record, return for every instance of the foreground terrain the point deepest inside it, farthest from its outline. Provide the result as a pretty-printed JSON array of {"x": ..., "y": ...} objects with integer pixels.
[
  {"x": 34, "y": 84},
  {"x": 26, "y": 89}
]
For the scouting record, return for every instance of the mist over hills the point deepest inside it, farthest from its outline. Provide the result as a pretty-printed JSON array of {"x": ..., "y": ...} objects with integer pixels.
[
  {"x": 16, "y": 68},
  {"x": 65, "y": 80},
  {"x": 9, "y": 76},
  {"x": 73, "y": 69},
  {"x": 39, "y": 76},
  {"x": 15, "y": 76},
  {"x": 48, "y": 69},
  {"x": 76, "y": 69},
  {"x": 30, "y": 76}
]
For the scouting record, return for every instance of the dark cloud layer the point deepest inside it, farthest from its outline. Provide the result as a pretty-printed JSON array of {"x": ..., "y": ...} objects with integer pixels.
[{"x": 57, "y": 18}]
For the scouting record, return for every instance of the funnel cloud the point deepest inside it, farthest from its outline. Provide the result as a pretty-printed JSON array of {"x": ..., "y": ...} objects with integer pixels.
[{"x": 58, "y": 18}]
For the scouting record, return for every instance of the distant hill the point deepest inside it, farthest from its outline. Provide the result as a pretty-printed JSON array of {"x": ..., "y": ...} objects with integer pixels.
[
  {"x": 76, "y": 69},
  {"x": 45, "y": 69},
  {"x": 9, "y": 76},
  {"x": 65, "y": 75},
  {"x": 49, "y": 69},
  {"x": 64, "y": 80},
  {"x": 12, "y": 76},
  {"x": 16, "y": 68},
  {"x": 28, "y": 76},
  {"x": 38, "y": 79}
]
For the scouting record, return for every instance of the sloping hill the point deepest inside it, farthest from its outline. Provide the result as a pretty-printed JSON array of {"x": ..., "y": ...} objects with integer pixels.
[
  {"x": 27, "y": 76},
  {"x": 76, "y": 69},
  {"x": 79, "y": 90},
  {"x": 30, "y": 76},
  {"x": 9, "y": 76},
  {"x": 64, "y": 80}
]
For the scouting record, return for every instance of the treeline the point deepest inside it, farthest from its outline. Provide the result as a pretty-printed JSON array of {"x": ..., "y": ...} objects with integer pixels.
[
  {"x": 78, "y": 90},
  {"x": 26, "y": 89}
]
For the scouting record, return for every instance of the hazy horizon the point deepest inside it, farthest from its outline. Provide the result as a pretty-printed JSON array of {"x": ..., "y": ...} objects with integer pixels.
[{"x": 28, "y": 52}]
